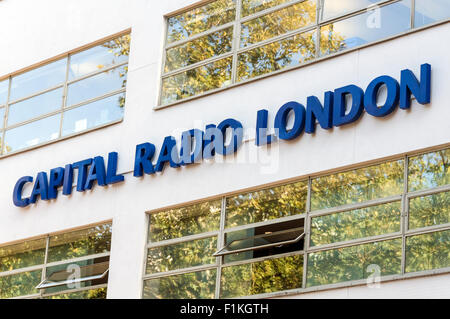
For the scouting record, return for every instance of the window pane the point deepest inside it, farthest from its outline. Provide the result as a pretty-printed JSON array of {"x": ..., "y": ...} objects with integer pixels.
[
  {"x": 262, "y": 277},
  {"x": 2, "y": 117},
  {"x": 357, "y": 186},
  {"x": 431, "y": 11},
  {"x": 429, "y": 170},
  {"x": 333, "y": 8},
  {"x": 183, "y": 255},
  {"x": 429, "y": 210},
  {"x": 36, "y": 106},
  {"x": 22, "y": 255},
  {"x": 253, "y": 6},
  {"x": 366, "y": 27},
  {"x": 206, "y": 47},
  {"x": 277, "y": 56},
  {"x": 354, "y": 224},
  {"x": 197, "y": 285},
  {"x": 197, "y": 81},
  {"x": 97, "y": 85},
  {"x": 185, "y": 221},
  {"x": 99, "y": 293},
  {"x": 94, "y": 114},
  {"x": 20, "y": 285},
  {"x": 77, "y": 270},
  {"x": 32, "y": 134},
  {"x": 354, "y": 263},
  {"x": 99, "y": 57},
  {"x": 38, "y": 79},
  {"x": 4, "y": 86},
  {"x": 278, "y": 23},
  {"x": 426, "y": 252},
  {"x": 80, "y": 243},
  {"x": 200, "y": 19}
]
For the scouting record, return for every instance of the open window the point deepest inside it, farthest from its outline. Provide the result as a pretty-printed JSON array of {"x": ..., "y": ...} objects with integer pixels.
[
  {"x": 265, "y": 240},
  {"x": 89, "y": 272}
]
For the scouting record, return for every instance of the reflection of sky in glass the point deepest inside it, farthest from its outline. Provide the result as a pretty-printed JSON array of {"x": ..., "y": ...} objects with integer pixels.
[
  {"x": 93, "y": 60},
  {"x": 93, "y": 114},
  {"x": 38, "y": 79},
  {"x": 358, "y": 30},
  {"x": 36, "y": 106},
  {"x": 97, "y": 85},
  {"x": 2, "y": 117},
  {"x": 333, "y": 8},
  {"x": 4, "y": 91},
  {"x": 431, "y": 11},
  {"x": 33, "y": 134}
]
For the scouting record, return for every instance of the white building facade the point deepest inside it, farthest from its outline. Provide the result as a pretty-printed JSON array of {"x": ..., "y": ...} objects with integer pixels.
[{"x": 359, "y": 208}]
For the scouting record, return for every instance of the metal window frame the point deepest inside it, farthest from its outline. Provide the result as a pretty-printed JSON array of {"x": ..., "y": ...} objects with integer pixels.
[
  {"x": 236, "y": 50},
  {"x": 64, "y": 108},
  {"x": 404, "y": 233},
  {"x": 45, "y": 265}
]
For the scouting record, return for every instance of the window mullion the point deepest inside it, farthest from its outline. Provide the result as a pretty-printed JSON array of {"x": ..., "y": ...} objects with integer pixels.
[{"x": 307, "y": 233}]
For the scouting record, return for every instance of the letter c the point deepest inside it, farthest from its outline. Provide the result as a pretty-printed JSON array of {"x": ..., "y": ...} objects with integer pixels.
[{"x": 17, "y": 194}]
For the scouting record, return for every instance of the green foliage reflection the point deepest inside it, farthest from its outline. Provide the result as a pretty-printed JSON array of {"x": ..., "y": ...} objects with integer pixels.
[
  {"x": 429, "y": 170},
  {"x": 429, "y": 210}
]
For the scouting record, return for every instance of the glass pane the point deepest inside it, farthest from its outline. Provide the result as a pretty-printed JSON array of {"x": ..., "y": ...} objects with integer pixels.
[
  {"x": 426, "y": 252},
  {"x": 241, "y": 238},
  {"x": 365, "y": 28},
  {"x": 183, "y": 255},
  {"x": 97, "y": 85},
  {"x": 38, "y": 79},
  {"x": 94, "y": 114},
  {"x": 200, "y": 19},
  {"x": 36, "y": 106},
  {"x": 80, "y": 243},
  {"x": 206, "y": 47},
  {"x": 32, "y": 134},
  {"x": 358, "y": 186},
  {"x": 354, "y": 224},
  {"x": 267, "y": 204},
  {"x": 354, "y": 263},
  {"x": 429, "y": 210},
  {"x": 197, "y": 285},
  {"x": 431, "y": 11},
  {"x": 253, "y": 6},
  {"x": 197, "y": 81},
  {"x": 100, "y": 57},
  {"x": 334, "y": 8},
  {"x": 185, "y": 221},
  {"x": 2, "y": 117},
  {"x": 20, "y": 285},
  {"x": 278, "y": 23},
  {"x": 429, "y": 170},
  {"x": 77, "y": 270},
  {"x": 262, "y": 277},
  {"x": 22, "y": 255},
  {"x": 277, "y": 56},
  {"x": 99, "y": 293},
  {"x": 4, "y": 86}
]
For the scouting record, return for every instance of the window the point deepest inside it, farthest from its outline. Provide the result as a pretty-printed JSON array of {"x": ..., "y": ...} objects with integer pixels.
[
  {"x": 82, "y": 91},
  {"x": 71, "y": 265},
  {"x": 387, "y": 219},
  {"x": 231, "y": 41}
]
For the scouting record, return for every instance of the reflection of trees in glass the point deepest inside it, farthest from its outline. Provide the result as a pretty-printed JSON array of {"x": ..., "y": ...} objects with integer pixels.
[
  {"x": 185, "y": 221},
  {"x": 99, "y": 293},
  {"x": 80, "y": 243},
  {"x": 330, "y": 40},
  {"x": 359, "y": 185},
  {"x": 197, "y": 285},
  {"x": 268, "y": 204},
  {"x": 183, "y": 255},
  {"x": 22, "y": 284},
  {"x": 262, "y": 277},
  {"x": 429, "y": 210},
  {"x": 429, "y": 251},
  {"x": 206, "y": 47},
  {"x": 253, "y": 6},
  {"x": 429, "y": 170},
  {"x": 200, "y": 19},
  {"x": 350, "y": 263},
  {"x": 359, "y": 223},
  {"x": 22, "y": 255}
]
